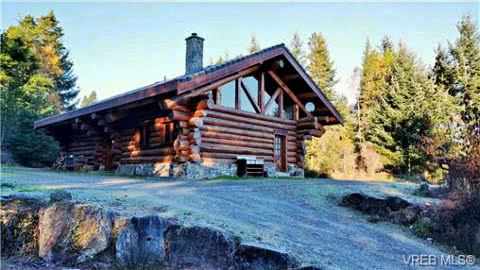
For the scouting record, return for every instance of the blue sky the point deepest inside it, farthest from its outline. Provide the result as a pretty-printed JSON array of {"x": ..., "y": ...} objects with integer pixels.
[{"x": 117, "y": 47}]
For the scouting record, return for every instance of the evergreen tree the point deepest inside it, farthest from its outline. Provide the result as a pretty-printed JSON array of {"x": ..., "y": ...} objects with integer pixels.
[
  {"x": 320, "y": 66},
  {"x": 43, "y": 37},
  {"x": 465, "y": 55},
  {"x": 36, "y": 81},
  {"x": 254, "y": 46},
  {"x": 296, "y": 47},
  {"x": 405, "y": 114},
  {"x": 89, "y": 100}
]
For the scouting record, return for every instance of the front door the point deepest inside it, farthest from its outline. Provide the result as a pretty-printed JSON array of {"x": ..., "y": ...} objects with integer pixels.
[
  {"x": 108, "y": 155},
  {"x": 280, "y": 153}
]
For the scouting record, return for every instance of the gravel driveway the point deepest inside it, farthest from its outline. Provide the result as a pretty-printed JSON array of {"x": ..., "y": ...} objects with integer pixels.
[{"x": 301, "y": 217}]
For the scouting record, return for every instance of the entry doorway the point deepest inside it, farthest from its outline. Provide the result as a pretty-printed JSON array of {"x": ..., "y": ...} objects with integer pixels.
[
  {"x": 108, "y": 155},
  {"x": 280, "y": 153}
]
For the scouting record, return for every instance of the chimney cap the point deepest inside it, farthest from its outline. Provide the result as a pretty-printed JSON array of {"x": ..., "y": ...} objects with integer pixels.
[{"x": 194, "y": 35}]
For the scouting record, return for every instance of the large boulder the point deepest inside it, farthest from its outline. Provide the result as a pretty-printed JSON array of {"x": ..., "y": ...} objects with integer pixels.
[
  {"x": 249, "y": 256},
  {"x": 199, "y": 247},
  {"x": 310, "y": 267},
  {"x": 60, "y": 195},
  {"x": 19, "y": 225},
  {"x": 73, "y": 232},
  {"x": 366, "y": 204},
  {"x": 407, "y": 216},
  {"x": 381, "y": 208},
  {"x": 140, "y": 241},
  {"x": 396, "y": 203}
]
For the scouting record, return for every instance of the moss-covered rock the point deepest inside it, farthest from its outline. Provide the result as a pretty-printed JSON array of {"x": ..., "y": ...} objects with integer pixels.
[
  {"x": 19, "y": 225},
  {"x": 73, "y": 232}
]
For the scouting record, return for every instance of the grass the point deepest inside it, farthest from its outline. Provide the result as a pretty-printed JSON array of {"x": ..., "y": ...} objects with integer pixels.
[
  {"x": 13, "y": 188},
  {"x": 99, "y": 173},
  {"x": 7, "y": 185}
]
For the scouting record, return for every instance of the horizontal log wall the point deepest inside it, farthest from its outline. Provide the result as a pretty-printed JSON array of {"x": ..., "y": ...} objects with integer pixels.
[
  {"x": 224, "y": 133},
  {"x": 156, "y": 151},
  {"x": 87, "y": 150}
]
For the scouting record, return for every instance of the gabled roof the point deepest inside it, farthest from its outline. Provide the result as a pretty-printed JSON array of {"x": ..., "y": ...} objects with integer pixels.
[{"x": 188, "y": 82}]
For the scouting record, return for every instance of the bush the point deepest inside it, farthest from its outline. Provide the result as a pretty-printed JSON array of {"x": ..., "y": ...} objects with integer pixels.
[
  {"x": 464, "y": 172},
  {"x": 30, "y": 147},
  {"x": 424, "y": 227},
  {"x": 459, "y": 219}
]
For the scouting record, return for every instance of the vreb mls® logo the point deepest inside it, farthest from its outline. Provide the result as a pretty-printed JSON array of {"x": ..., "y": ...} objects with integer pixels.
[{"x": 434, "y": 260}]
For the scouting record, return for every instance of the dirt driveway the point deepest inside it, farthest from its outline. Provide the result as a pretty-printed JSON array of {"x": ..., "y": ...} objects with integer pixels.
[{"x": 301, "y": 217}]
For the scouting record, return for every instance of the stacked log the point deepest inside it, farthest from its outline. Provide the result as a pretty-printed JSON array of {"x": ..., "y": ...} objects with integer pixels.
[
  {"x": 127, "y": 143},
  {"x": 86, "y": 150},
  {"x": 185, "y": 149},
  {"x": 307, "y": 128},
  {"x": 223, "y": 133}
]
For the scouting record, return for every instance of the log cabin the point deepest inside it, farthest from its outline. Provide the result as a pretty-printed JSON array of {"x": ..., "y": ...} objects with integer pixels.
[{"x": 248, "y": 116}]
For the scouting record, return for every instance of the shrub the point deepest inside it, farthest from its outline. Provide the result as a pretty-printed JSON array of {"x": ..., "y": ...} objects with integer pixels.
[
  {"x": 424, "y": 227},
  {"x": 459, "y": 219},
  {"x": 30, "y": 147},
  {"x": 464, "y": 172}
]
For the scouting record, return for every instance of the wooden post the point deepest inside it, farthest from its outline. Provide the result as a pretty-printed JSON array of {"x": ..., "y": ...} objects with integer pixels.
[
  {"x": 296, "y": 112},
  {"x": 238, "y": 102},
  {"x": 280, "y": 105},
  {"x": 261, "y": 90}
]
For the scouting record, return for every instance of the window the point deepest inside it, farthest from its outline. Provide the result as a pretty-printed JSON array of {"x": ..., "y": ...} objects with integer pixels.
[
  {"x": 228, "y": 95},
  {"x": 169, "y": 135},
  {"x": 252, "y": 85},
  {"x": 143, "y": 134},
  {"x": 278, "y": 146}
]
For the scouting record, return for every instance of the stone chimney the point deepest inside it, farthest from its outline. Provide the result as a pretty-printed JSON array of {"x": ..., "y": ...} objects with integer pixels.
[{"x": 194, "y": 56}]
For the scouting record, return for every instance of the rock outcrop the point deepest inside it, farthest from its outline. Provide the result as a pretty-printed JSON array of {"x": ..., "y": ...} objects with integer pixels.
[
  {"x": 251, "y": 256},
  {"x": 67, "y": 233},
  {"x": 60, "y": 195},
  {"x": 140, "y": 241},
  {"x": 73, "y": 232},
  {"x": 199, "y": 247},
  {"x": 382, "y": 208},
  {"x": 19, "y": 217}
]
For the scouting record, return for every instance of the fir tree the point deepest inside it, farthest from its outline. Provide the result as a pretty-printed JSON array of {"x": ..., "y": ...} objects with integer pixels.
[
  {"x": 465, "y": 54},
  {"x": 320, "y": 66},
  {"x": 89, "y": 100},
  {"x": 36, "y": 81},
  {"x": 296, "y": 47},
  {"x": 254, "y": 46}
]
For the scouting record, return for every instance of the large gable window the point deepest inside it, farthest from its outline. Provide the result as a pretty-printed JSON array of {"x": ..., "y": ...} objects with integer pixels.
[
  {"x": 258, "y": 94},
  {"x": 227, "y": 97}
]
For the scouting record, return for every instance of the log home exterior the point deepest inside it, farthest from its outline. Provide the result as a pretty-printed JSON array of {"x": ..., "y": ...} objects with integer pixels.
[{"x": 261, "y": 107}]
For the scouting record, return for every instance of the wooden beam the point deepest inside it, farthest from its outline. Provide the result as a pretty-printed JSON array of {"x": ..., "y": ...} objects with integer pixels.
[
  {"x": 290, "y": 77},
  {"x": 288, "y": 91},
  {"x": 279, "y": 64},
  {"x": 274, "y": 96},
  {"x": 280, "y": 105},
  {"x": 94, "y": 116},
  {"x": 307, "y": 96},
  {"x": 296, "y": 112},
  {"x": 202, "y": 90},
  {"x": 261, "y": 91},
  {"x": 249, "y": 96},
  {"x": 85, "y": 126},
  {"x": 238, "y": 100}
]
